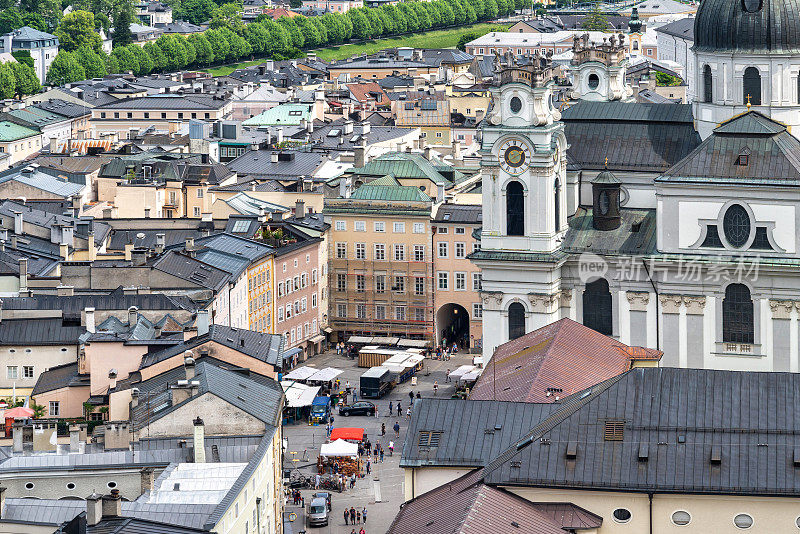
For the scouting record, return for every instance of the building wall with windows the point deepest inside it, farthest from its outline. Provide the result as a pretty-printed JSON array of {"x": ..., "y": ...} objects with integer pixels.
[
  {"x": 260, "y": 295},
  {"x": 297, "y": 308},
  {"x": 457, "y": 280},
  {"x": 22, "y": 365},
  {"x": 381, "y": 269}
]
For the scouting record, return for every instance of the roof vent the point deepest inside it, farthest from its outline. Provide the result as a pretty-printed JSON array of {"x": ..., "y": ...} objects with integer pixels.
[
  {"x": 716, "y": 455},
  {"x": 614, "y": 430},
  {"x": 572, "y": 450},
  {"x": 644, "y": 454}
]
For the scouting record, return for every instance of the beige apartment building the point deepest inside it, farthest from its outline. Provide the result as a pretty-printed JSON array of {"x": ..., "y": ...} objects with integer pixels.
[
  {"x": 456, "y": 295},
  {"x": 165, "y": 112},
  {"x": 381, "y": 265}
]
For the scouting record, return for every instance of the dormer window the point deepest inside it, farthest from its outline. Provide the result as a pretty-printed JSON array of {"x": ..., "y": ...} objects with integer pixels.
[{"x": 743, "y": 160}]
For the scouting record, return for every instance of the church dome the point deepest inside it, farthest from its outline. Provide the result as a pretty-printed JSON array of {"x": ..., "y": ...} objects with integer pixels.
[{"x": 748, "y": 26}]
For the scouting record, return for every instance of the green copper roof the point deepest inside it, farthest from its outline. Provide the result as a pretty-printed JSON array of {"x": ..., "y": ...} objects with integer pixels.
[
  {"x": 752, "y": 123},
  {"x": 14, "y": 132},
  {"x": 390, "y": 193},
  {"x": 404, "y": 165},
  {"x": 282, "y": 115},
  {"x": 389, "y": 179}
]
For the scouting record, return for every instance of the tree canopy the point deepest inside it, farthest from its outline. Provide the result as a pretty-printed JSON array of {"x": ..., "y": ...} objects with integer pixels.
[{"x": 77, "y": 30}]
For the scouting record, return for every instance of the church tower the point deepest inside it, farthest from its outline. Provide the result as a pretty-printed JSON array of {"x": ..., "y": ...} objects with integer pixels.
[
  {"x": 598, "y": 69},
  {"x": 523, "y": 151}
]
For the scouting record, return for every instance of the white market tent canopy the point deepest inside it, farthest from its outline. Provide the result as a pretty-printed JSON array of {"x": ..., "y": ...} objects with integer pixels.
[
  {"x": 464, "y": 369},
  {"x": 325, "y": 375},
  {"x": 472, "y": 375},
  {"x": 339, "y": 447},
  {"x": 300, "y": 373},
  {"x": 298, "y": 395}
]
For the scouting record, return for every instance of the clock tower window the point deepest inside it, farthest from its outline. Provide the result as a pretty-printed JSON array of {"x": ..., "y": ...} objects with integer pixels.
[{"x": 515, "y": 209}]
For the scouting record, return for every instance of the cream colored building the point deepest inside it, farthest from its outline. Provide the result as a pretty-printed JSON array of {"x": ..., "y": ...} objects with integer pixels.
[{"x": 381, "y": 264}]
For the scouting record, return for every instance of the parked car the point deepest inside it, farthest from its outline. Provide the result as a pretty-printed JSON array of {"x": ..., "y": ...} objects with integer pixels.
[
  {"x": 317, "y": 512},
  {"x": 323, "y": 495},
  {"x": 357, "y": 408}
]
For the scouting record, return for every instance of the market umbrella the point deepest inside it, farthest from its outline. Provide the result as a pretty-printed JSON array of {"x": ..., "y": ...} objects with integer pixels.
[{"x": 20, "y": 412}]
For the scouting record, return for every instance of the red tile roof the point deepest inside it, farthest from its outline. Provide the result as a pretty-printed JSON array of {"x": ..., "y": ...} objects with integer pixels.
[
  {"x": 369, "y": 92},
  {"x": 474, "y": 509},
  {"x": 564, "y": 355},
  {"x": 279, "y": 12}
]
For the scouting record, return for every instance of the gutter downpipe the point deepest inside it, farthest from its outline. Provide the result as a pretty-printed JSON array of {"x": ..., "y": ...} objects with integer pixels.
[{"x": 650, "y": 500}]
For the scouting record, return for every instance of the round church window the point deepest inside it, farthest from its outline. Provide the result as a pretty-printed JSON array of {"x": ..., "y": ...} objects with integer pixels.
[
  {"x": 515, "y": 104},
  {"x": 594, "y": 81},
  {"x": 736, "y": 225}
]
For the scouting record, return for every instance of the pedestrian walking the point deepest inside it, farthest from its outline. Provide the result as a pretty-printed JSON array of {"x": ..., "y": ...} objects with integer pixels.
[
  {"x": 399, "y": 408},
  {"x": 435, "y": 387},
  {"x": 368, "y": 466},
  {"x": 408, "y": 414},
  {"x": 364, "y": 514},
  {"x": 353, "y": 515},
  {"x": 381, "y": 454},
  {"x": 376, "y": 411},
  {"x": 391, "y": 448},
  {"x": 397, "y": 429},
  {"x": 411, "y": 396},
  {"x": 447, "y": 376},
  {"x": 358, "y": 516},
  {"x": 362, "y": 531},
  {"x": 419, "y": 395},
  {"x": 347, "y": 516},
  {"x": 355, "y": 395},
  {"x": 390, "y": 408},
  {"x": 353, "y": 531},
  {"x": 316, "y": 481},
  {"x": 383, "y": 429}
]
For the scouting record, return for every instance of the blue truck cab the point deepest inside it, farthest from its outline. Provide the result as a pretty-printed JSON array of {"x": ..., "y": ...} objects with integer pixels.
[{"x": 320, "y": 410}]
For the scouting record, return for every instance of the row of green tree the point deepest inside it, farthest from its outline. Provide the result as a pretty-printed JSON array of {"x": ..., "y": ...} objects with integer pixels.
[{"x": 229, "y": 39}]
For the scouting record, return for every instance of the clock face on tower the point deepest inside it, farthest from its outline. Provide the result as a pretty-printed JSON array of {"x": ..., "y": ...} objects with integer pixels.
[{"x": 514, "y": 156}]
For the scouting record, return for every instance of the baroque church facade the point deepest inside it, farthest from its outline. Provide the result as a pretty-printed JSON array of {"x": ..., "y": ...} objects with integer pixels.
[{"x": 667, "y": 226}]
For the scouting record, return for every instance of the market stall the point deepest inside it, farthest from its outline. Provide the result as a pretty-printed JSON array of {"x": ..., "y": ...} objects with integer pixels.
[
  {"x": 300, "y": 373},
  {"x": 298, "y": 398},
  {"x": 339, "y": 447},
  {"x": 351, "y": 434}
]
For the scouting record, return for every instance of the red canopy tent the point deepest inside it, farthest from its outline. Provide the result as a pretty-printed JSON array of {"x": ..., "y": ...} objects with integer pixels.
[
  {"x": 347, "y": 433},
  {"x": 20, "y": 412}
]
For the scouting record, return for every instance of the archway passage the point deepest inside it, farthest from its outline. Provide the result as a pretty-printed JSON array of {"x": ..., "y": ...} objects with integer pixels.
[{"x": 452, "y": 321}]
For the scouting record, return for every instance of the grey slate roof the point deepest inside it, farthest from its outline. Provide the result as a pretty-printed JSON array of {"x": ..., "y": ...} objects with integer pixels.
[
  {"x": 674, "y": 419},
  {"x": 192, "y": 270},
  {"x": 169, "y": 102},
  {"x": 459, "y": 213},
  {"x": 583, "y": 237},
  {"x": 59, "y": 377},
  {"x": 72, "y": 306},
  {"x": 261, "y": 399},
  {"x": 683, "y": 28},
  {"x": 633, "y": 136},
  {"x": 123, "y": 525},
  {"x": 773, "y": 155},
  {"x": 470, "y": 434},
  {"x": 29, "y": 332},
  {"x": 326, "y": 137},
  {"x": 296, "y": 164},
  {"x": 46, "y": 219},
  {"x": 265, "y": 347}
]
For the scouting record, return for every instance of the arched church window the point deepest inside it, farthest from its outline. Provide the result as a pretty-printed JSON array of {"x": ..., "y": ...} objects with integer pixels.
[
  {"x": 737, "y": 315},
  {"x": 557, "y": 205},
  {"x": 751, "y": 85},
  {"x": 515, "y": 209},
  {"x": 751, "y": 6},
  {"x": 516, "y": 320},
  {"x": 594, "y": 81},
  {"x": 708, "y": 84},
  {"x": 636, "y": 45},
  {"x": 597, "y": 309},
  {"x": 736, "y": 226}
]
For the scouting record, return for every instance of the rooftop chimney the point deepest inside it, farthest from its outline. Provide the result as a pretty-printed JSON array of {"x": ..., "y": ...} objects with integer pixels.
[
  {"x": 365, "y": 128},
  {"x": 273, "y": 157},
  {"x": 199, "y": 441},
  {"x": 188, "y": 365},
  {"x": 299, "y": 209},
  {"x": 17, "y": 222},
  {"x": 112, "y": 504},
  {"x": 160, "y": 243},
  {"x": 94, "y": 509},
  {"x": 133, "y": 315},
  {"x": 202, "y": 322},
  {"x": 23, "y": 275},
  {"x": 90, "y": 324}
]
